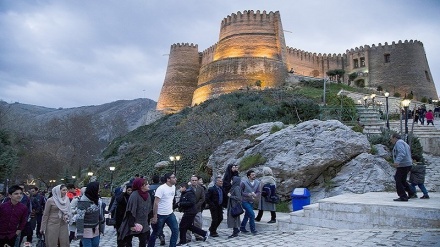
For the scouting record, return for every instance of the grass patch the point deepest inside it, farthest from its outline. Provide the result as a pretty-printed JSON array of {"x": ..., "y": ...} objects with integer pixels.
[
  {"x": 251, "y": 161},
  {"x": 283, "y": 207}
]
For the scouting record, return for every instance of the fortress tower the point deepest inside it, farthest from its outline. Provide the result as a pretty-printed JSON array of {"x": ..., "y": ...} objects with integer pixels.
[
  {"x": 252, "y": 48},
  {"x": 180, "y": 79}
]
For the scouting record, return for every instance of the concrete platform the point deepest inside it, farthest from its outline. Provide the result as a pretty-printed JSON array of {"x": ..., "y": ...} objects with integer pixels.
[{"x": 374, "y": 210}]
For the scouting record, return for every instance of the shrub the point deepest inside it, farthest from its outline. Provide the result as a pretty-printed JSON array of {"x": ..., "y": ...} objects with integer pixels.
[
  {"x": 275, "y": 128},
  {"x": 251, "y": 161},
  {"x": 424, "y": 100},
  {"x": 397, "y": 94}
]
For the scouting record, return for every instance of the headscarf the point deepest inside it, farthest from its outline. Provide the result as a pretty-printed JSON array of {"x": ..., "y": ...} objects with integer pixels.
[
  {"x": 236, "y": 180},
  {"x": 92, "y": 192},
  {"x": 267, "y": 171},
  {"x": 137, "y": 186},
  {"x": 62, "y": 203}
]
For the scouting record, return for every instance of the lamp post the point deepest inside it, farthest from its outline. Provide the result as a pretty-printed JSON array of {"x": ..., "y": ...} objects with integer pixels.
[
  {"x": 386, "y": 100},
  {"x": 405, "y": 104},
  {"x": 323, "y": 99},
  {"x": 365, "y": 100},
  {"x": 174, "y": 159},
  {"x": 372, "y": 99},
  {"x": 112, "y": 169}
]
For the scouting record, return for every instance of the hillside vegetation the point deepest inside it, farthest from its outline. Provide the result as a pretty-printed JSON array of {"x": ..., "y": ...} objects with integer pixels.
[{"x": 196, "y": 132}]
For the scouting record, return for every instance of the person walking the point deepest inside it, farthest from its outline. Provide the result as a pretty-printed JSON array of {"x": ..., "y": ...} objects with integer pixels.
[
  {"x": 417, "y": 177},
  {"x": 231, "y": 171},
  {"x": 402, "y": 163},
  {"x": 56, "y": 217},
  {"x": 217, "y": 200},
  {"x": 234, "y": 200},
  {"x": 429, "y": 117},
  {"x": 13, "y": 215},
  {"x": 187, "y": 205},
  {"x": 153, "y": 187},
  {"x": 163, "y": 211},
  {"x": 250, "y": 189},
  {"x": 39, "y": 201},
  {"x": 90, "y": 221},
  {"x": 199, "y": 193},
  {"x": 265, "y": 205},
  {"x": 119, "y": 213},
  {"x": 135, "y": 223},
  {"x": 73, "y": 210}
]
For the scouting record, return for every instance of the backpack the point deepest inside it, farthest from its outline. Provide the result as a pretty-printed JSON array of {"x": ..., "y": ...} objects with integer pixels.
[{"x": 269, "y": 193}]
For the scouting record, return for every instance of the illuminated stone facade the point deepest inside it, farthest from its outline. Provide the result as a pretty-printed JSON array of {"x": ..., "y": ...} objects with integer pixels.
[{"x": 252, "y": 48}]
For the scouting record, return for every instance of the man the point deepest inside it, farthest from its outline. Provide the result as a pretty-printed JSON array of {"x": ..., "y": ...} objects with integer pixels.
[
  {"x": 187, "y": 205},
  {"x": 13, "y": 215},
  {"x": 402, "y": 162},
  {"x": 38, "y": 202},
  {"x": 217, "y": 200},
  {"x": 200, "y": 200},
  {"x": 250, "y": 188},
  {"x": 163, "y": 211},
  {"x": 152, "y": 191}
]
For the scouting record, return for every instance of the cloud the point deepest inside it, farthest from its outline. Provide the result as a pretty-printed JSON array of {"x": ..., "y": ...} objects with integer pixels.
[{"x": 60, "y": 53}]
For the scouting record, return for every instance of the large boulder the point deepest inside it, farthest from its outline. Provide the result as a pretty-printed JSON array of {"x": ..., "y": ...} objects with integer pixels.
[
  {"x": 365, "y": 173},
  {"x": 298, "y": 155}
]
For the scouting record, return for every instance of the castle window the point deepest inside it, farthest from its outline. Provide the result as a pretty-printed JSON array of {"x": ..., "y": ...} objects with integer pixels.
[
  {"x": 427, "y": 76},
  {"x": 387, "y": 58},
  {"x": 355, "y": 63},
  {"x": 362, "y": 61}
]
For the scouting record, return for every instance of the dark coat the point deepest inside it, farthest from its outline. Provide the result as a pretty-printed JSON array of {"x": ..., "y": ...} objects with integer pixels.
[
  {"x": 121, "y": 207},
  {"x": 234, "y": 199},
  {"x": 187, "y": 203},
  {"x": 417, "y": 175},
  {"x": 213, "y": 198}
]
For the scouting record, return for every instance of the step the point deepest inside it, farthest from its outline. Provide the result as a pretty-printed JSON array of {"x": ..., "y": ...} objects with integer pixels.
[{"x": 369, "y": 211}]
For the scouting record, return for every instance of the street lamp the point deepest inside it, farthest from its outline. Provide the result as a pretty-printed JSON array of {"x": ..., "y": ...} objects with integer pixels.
[
  {"x": 323, "y": 99},
  {"x": 174, "y": 159},
  {"x": 112, "y": 169},
  {"x": 90, "y": 174},
  {"x": 405, "y": 104},
  {"x": 372, "y": 98},
  {"x": 386, "y": 99},
  {"x": 365, "y": 100}
]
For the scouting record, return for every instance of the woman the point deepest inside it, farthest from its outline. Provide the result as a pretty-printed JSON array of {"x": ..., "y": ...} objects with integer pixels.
[
  {"x": 135, "y": 223},
  {"x": 90, "y": 219},
  {"x": 121, "y": 207},
  {"x": 231, "y": 171},
  {"x": 56, "y": 217},
  {"x": 234, "y": 199},
  {"x": 264, "y": 205}
]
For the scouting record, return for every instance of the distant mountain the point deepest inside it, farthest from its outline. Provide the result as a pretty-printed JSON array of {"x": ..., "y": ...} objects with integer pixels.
[{"x": 134, "y": 113}]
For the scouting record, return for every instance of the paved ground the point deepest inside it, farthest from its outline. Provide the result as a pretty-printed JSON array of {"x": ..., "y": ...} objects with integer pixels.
[{"x": 328, "y": 238}]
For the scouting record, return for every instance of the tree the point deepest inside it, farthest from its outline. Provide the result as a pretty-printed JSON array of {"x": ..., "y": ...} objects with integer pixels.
[{"x": 8, "y": 156}]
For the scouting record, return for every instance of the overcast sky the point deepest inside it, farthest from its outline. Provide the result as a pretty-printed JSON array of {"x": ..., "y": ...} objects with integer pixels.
[{"x": 59, "y": 53}]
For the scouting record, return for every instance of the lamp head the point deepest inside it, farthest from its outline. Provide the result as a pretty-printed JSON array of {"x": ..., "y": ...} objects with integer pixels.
[
  {"x": 373, "y": 96},
  {"x": 406, "y": 102},
  {"x": 387, "y": 94},
  {"x": 365, "y": 97},
  {"x": 172, "y": 158},
  {"x": 112, "y": 168}
]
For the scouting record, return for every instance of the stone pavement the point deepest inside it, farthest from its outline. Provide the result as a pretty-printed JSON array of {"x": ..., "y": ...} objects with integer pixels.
[{"x": 328, "y": 238}]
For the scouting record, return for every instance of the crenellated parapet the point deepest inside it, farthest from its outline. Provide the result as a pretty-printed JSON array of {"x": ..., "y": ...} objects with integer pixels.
[
  {"x": 208, "y": 54},
  {"x": 247, "y": 16}
]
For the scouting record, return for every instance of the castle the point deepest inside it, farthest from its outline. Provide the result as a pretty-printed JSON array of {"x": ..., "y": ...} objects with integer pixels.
[{"x": 252, "y": 48}]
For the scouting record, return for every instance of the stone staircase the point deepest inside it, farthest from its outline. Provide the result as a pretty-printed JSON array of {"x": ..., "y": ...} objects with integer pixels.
[{"x": 370, "y": 119}]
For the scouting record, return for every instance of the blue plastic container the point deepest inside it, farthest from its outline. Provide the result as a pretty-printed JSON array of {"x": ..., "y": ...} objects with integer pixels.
[{"x": 300, "y": 198}]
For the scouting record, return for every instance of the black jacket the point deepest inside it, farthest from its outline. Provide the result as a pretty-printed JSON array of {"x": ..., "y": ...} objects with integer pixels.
[
  {"x": 212, "y": 197},
  {"x": 187, "y": 203}
]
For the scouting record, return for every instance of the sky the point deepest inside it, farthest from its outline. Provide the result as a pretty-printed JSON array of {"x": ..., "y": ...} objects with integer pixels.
[{"x": 72, "y": 53}]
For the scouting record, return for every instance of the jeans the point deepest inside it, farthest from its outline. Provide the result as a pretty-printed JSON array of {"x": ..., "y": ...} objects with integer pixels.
[
  {"x": 422, "y": 188},
  {"x": 248, "y": 215},
  {"x": 171, "y": 222},
  {"x": 90, "y": 242}
]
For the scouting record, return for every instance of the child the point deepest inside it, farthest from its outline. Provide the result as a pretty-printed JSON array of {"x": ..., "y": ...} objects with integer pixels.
[{"x": 417, "y": 177}]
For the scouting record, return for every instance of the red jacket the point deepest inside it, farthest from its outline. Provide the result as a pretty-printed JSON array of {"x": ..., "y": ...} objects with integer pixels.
[{"x": 429, "y": 115}]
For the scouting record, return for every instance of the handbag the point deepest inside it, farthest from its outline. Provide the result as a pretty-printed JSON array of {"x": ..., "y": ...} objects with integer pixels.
[
  {"x": 237, "y": 210},
  {"x": 41, "y": 242},
  {"x": 110, "y": 221}
]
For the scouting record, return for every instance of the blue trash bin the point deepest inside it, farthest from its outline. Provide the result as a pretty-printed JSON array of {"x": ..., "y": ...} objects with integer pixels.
[{"x": 300, "y": 198}]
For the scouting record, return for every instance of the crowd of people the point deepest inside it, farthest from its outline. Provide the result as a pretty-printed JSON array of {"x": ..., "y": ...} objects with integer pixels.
[{"x": 138, "y": 209}]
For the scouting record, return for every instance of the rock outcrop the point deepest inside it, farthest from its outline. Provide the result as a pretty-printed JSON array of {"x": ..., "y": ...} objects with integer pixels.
[{"x": 300, "y": 156}]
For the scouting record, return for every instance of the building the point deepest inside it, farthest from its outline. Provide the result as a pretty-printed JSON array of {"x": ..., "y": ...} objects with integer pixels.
[{"x": 251, "y": 50}]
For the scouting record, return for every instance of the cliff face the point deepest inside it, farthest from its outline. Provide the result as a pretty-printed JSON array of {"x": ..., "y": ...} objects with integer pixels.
[{"x": 251, "y": 49}]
